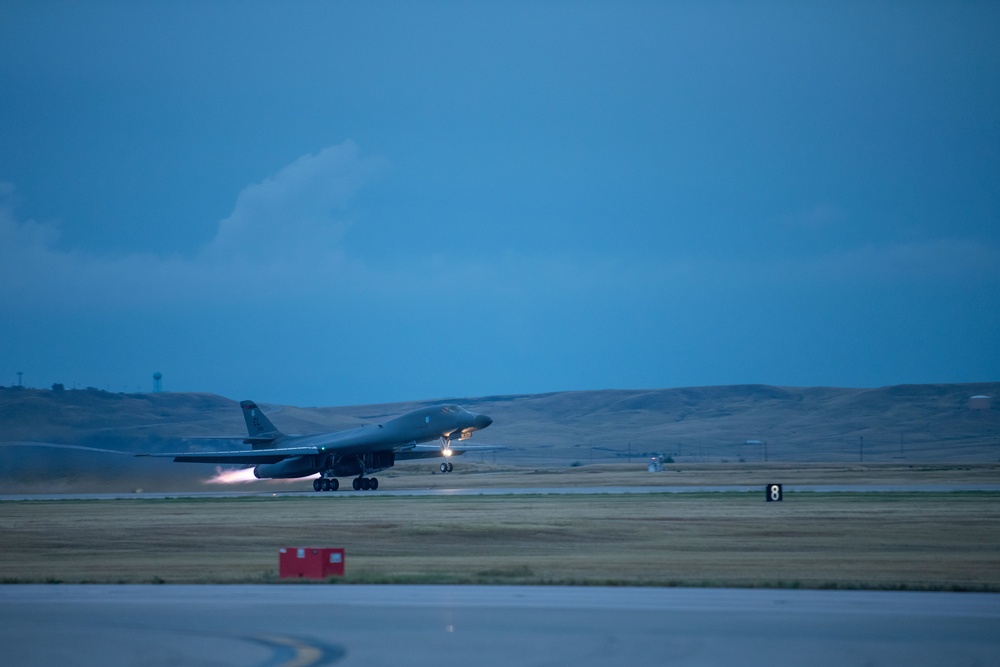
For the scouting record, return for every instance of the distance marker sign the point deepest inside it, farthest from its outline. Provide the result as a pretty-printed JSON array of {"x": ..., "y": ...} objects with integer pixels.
[{"x": 772, "y": 493}]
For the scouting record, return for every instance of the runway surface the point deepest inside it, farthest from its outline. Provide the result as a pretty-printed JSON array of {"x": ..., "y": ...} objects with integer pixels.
[
  {"x": 310, "y": 625},
  {"x": 521, "y": 491}
]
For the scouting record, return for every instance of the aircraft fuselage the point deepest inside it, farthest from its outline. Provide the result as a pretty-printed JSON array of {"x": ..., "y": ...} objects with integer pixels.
[
  {"x": 368, "y": 449},
  {"x": 358, "y": 451}
]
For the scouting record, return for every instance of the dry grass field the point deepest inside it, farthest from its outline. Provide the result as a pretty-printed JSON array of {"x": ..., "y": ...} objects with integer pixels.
[
  {"x": 932, "y": 541},
  {"x": 915, "y": 434},
  {"x": 484, "y": 475}
]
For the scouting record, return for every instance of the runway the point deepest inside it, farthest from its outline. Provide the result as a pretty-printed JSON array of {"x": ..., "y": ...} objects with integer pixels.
[
  {"x": 312, "y": 625},
  {"x": 520, "y": 491}
]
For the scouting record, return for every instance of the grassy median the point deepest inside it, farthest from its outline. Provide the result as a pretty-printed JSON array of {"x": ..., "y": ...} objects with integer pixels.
[{"x": 929, "y": 541}]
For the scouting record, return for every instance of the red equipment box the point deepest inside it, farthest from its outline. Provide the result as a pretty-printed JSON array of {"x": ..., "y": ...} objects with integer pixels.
[{"x": 310, "y": 562}]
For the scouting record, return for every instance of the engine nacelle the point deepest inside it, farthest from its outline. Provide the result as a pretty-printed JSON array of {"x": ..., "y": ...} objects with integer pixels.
[
  {"x": 300, "y": 466},
  {"x": 347, "y": 466}
]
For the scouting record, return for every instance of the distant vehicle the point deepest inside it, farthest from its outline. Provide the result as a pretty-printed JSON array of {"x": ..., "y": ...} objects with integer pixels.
[{"x": 357, "y": 452}]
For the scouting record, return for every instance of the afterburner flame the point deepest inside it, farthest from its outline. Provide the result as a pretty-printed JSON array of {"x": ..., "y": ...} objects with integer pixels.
[
  {"x": 243, "y": 476},
  {"x": 232, "y": 476}
]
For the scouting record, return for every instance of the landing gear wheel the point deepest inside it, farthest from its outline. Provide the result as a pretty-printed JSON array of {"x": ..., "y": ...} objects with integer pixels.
[
  {"x": 444, "y": 467},
  {"x": 357, "y": 483},
  {"x": 334, "y": 484},
  {"x": 374, "y": 483},
  {"x": 451, "y": 466},
  {"x": 317, "y": 485},
  {"x": 366, "y": 484},
  {"x": 324, "y": 484}
]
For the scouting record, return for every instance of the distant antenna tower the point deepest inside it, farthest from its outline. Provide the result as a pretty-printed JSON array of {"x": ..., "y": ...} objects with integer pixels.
[
  {"x": 19, "y": 383},
  {"x": 157, "y": 384}
]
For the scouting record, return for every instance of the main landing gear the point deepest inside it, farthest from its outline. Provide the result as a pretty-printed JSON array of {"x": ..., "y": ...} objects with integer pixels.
[
  {"x": 365, "y": 483},
  {"x": 447, "y": 466},
  {"x": 359, "y": 484},
  {"x": 326, "y": 484}
]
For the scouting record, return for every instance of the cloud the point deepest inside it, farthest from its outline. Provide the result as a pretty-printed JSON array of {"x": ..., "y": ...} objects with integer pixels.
[
  {"x": 945, "y": 260},
  {"x": 284, "y": 237},
  {"x": 28, "y": 262},
  {"x": 950, "y": 262},
  {"x": 29, "y": 237},
  {"x": 284, "y": 234},
  {"x": 301, "y": 208}
]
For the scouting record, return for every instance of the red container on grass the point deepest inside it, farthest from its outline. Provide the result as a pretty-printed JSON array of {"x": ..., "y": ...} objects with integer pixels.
[{"x": 310, "y": 563}]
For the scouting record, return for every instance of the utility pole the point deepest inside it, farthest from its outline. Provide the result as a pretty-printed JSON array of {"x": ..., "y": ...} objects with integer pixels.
[{"x": 861, "y": 449}]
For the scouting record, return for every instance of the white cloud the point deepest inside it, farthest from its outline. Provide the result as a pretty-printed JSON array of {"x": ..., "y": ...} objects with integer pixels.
[
  {"x": 946, "y": 260},
  {"x": 283, "y": 235},
  {"x": 300, "y": 208}
]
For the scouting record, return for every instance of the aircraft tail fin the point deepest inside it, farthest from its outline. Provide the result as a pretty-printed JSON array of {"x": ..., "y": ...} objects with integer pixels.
[{"x": 259, "y": 426}]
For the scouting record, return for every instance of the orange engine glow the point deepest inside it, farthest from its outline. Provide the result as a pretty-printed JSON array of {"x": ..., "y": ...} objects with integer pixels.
[{"x": 242, "y": 476}]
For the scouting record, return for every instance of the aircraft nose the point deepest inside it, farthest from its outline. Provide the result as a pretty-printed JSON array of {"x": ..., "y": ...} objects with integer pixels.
[{"x": 482, "y": 421}]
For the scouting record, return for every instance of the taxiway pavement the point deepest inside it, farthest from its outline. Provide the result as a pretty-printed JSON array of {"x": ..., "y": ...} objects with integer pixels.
[{"x": 310, "y": 625}]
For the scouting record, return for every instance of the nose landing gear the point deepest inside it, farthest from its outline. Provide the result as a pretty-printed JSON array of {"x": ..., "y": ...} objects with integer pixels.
[{"x": 446, "y": 452}]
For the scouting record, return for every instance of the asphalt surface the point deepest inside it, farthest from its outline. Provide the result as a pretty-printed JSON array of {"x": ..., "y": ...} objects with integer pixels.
[
  {"x": 308, "y": 625},
  {"x": 520, "y": 491}
]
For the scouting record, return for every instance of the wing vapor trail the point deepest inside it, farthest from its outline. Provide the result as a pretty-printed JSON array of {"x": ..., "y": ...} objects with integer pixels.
[{"x": 55, "y": 445}]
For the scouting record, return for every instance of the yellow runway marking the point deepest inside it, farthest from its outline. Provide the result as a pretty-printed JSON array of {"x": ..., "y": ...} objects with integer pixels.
[{"x": 305, "y": 655}]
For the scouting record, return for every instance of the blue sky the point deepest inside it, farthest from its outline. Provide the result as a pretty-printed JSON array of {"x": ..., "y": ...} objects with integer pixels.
[{"x": 347, "y": 203}]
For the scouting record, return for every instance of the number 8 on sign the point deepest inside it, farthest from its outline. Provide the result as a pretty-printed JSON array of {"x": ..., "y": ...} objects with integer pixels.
[{"x": 773, "y": 492}]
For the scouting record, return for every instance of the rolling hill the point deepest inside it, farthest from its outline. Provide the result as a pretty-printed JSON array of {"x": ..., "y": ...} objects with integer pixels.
[{"x": 703, "y": 424}]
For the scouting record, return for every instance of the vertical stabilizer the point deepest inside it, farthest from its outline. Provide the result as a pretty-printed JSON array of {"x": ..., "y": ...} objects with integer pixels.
[{"x": 258, "y": 426}]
